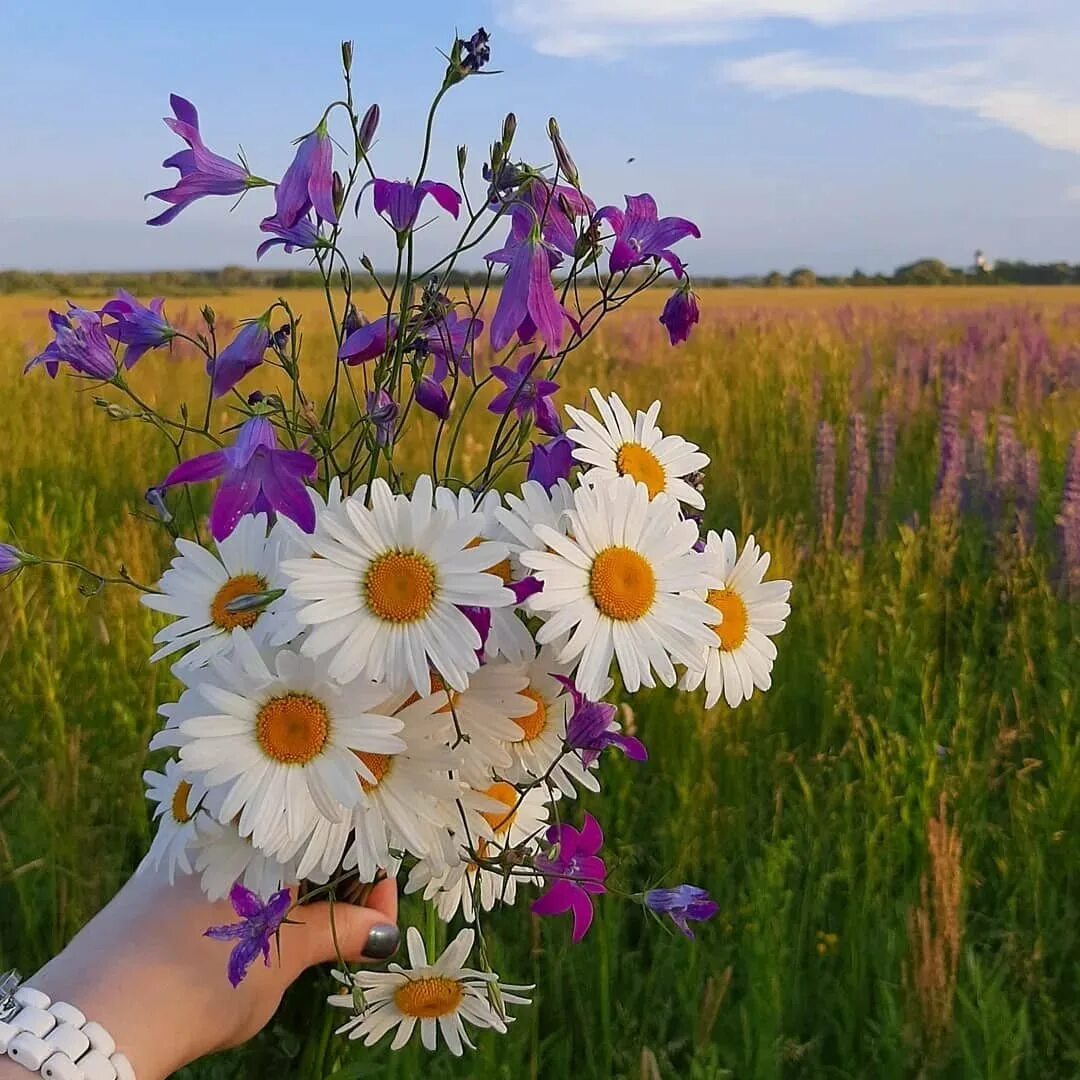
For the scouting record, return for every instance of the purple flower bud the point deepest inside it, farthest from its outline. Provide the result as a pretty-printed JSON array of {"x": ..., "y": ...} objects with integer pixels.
[
  {"x": 684, "y": 903},
  {"x": 243, "y": 354},
  {"x": 368, "y": 126},
  {"x": 680, "y": 314},
  {"x": 858, "y": 483},
  {"x": 368, "y": 341},
  {"x": 155, "y": 497},
  {"x": 825, "y": 479},
  {"x": 551, "y": 462},
  {"x": 509, "y": 129},
  {"x": 382, "y": 412},
  {"x": 562, "y": 154},
  {"x": 431, "y": 396}
]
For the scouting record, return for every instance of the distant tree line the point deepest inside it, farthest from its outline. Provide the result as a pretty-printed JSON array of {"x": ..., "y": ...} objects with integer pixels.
[{"x": 228, "y": 278}]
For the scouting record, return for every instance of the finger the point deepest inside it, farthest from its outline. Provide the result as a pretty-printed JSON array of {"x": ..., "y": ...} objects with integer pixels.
[{"x": 343, "y": 930}]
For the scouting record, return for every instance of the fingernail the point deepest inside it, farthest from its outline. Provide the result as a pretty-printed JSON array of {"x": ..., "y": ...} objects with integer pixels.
[{"x": 383, "y": 940}]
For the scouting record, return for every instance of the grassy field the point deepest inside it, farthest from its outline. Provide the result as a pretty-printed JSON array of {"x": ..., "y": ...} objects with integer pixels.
[{"x": 892, "y": 833}]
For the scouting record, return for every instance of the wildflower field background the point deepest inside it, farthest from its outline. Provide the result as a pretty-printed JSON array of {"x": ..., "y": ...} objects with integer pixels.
[{"x": 892, "y": 832}]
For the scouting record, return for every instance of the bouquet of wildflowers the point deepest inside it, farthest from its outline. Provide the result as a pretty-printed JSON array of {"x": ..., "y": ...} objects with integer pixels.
[{"x": 387, "y": 673}]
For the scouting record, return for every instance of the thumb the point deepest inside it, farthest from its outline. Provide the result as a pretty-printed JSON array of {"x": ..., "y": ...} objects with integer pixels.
[{"x": 341, "y": 929}]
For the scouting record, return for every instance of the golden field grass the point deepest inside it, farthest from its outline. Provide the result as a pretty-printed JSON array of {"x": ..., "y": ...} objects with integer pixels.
[{"x": 892, "y": 832}]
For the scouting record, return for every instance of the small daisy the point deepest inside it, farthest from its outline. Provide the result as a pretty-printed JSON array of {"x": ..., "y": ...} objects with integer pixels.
[
  {"x": 540, "y": 751},
  {"x": 440, "y": 996},
  {"x": 198, "y": 588},
  {"x": 224, "y": 857},
  {"x": 622, "y": 584},
  {"x": 284, "y": 742},
  {"x": 384, "y": 596},
  {"x": 751, "y": 611},
  {"x": 508, "y": 820},
  {"x": 509, "y": 637},
  {"x": 177, "y": 799},
  {"x": 625, "y": 446}
]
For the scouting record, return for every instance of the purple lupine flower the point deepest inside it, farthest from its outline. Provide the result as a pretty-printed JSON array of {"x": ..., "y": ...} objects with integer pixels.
[
  {"x": 11, "y": 559},
  {"x": 946, "y": 502},
  {"x": 825, "y": 479},
  {"x": 1027, "y": 497},
  {"x": 398, "y": 201},
  {"x": 308, "y": 181},
  {"x": 382, "y": 412},
  {"x": 680, "y": 314},
  {"x": 431, "y": 397},
  {"x": 591, "y": 728},
  {"x": 1068, "y": 520},
  {"x": 258, "y": 923},
  {"x": 80, "y": 342},
  {"x": 884, "y": 466},
  {"x": 576, "y": 872},
  {"x": 368, "y": 341},
  {"x": 640, "y": 234},
  {"x": 259, "y": 478},
  {"x": 684, "y": 903},
  {"x": 202, "y": 172},
  {"x": 1006, "y": 470},
  {"x": 527, "y": 292},
  {"x": 551, "y": 462},
  {"x": 138, "y": 327},
  {"x": 858, "y": 484},
  {"x": 243, "y": 354},
  {"x": 449, "y": 338},
  {"x": 526, "y": 396},
  {"x": 302, "y": 235}
]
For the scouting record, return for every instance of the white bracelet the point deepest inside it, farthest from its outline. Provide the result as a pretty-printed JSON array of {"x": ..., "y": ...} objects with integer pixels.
[{"x": 54, "y": 1039}]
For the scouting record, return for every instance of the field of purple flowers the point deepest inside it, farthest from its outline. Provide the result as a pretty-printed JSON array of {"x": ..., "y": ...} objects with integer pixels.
[{"x": 892, "y": 832}]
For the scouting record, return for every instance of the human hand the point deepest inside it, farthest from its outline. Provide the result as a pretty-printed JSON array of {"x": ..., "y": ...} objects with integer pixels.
[{"x": 143, "y": 969}]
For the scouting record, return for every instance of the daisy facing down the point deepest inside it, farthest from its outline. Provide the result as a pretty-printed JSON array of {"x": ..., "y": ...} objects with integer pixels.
[
  {"x": 750, "y": 612},
  {"x": 634, "y": 446},
  {"x": 439, "y": 996},
  {"x": 621, "y": 582},
  {"x": 384, "y": 597}
]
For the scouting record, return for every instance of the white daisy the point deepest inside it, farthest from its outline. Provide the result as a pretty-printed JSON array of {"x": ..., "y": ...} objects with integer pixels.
[
  {"x": 506, "y": 820},
  {"x": 440, "y": 996},
  {"x": 621, "y": 582},
  {"x": 750, "y": 611},
  {"x": 540, "y": 751},
  {"x": 626, "y": 446},
  {"x": 384, "y": 596},
  {"x": 509, "y": 637},
  {"x": 284, "y": 742},
  {"x": 199, "y": 587},
  {"x": 178, "y": 800},
  {"x": 224, "y": 857}
]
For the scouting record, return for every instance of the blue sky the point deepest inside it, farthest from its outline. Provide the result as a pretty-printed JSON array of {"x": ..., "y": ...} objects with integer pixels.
[{"x": 829, "y": 133}]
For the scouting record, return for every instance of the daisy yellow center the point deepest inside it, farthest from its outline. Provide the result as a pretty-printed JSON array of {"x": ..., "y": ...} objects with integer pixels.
[
  {"x": 622, "y": 583},
  {"x": 499, "y": 569},
  {"x": 508, "y": 796},
  {"x": 179, "y": 803},
  {"x": 535, "y": 723},
  {"x": 643, "y": 465},
  {"x": 233, "y": 589},
  {"x": 293, "y": 728},
  {"x": 378, "y": 765},
  {"x": 430, "y": 998},
  {"x": 736, "y": 619},
  {"x": 400, "y": 586}
]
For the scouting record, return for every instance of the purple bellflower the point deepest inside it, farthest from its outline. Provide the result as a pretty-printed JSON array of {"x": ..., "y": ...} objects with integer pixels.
[
  {"x": 576, "y": 871},
  {"x": 242, "y": 355},
  {"x": 259, "y": 478},
  {"x": 526, "y": 396},
  {"x": 398, "y": 202},
  {"x": 369, "y": 341},
  {"x": 527, "y": 292},
  {"x": 138, "y": 327},
  {"x": 477, "y": 51},
  {"x": 592, "y": 728},
  {"x": 308, "y": 182},
  {"x": 11, "y": 559},
  {"x": 641, "y": 235},
  {"x": 431, "y": 397},
  {"x": 202, "y": 172},
  {"x": 382, "y": 412},
  {"x": 258, "y": 923},
  {"x": 549, "y": 202},
  {"x": 80, "y": 342},
  {"x": 302, "y": 235},
  {"x": 551, "y": 462},
  {"x": 449, "y": 338},
  {"x": 680, "y": 314},
  {"x": 684, "y": 903}
]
